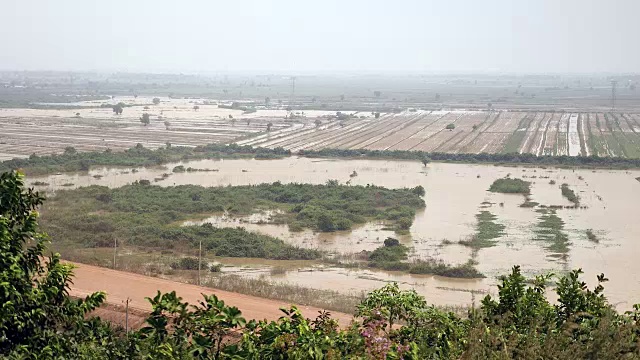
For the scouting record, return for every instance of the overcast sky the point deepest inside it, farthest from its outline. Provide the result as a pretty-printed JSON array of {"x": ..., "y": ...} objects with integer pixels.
[{"x": 516, "y": 36}]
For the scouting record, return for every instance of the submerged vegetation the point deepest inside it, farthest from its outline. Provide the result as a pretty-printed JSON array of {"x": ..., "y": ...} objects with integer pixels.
[
  {"x": 549, "y": 229},
  {"x": 487, "y": 230},
  {"x": 392, "y": 256},
  {"x": 570, "y": 194},
  {"x": 592, "y": 236}
]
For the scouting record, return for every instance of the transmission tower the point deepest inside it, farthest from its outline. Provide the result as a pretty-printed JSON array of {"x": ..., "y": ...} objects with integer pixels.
[
  {"x": 614, "y": 91},
  {"x": 293, "y": 90}
]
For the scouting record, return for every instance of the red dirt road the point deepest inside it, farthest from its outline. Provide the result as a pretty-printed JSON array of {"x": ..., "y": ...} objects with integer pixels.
[{"x": 119, "y": 285}]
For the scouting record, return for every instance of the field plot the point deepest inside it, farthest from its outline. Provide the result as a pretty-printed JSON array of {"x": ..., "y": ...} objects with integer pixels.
[
  {"x": 467, "y": 128},
  {"x": 551, "y": 136},
  {"x": 563, "y": 130},
  {"x": 573, "y": 136},
  {"x": 456, "y": 131},
  {"x": 515, "y": 142},
  {"x": 529, "y": 144},
  {"x": 492, "y": 139},
  {"x": 597, "y": 143},
  {"x": 47, "y": 131},
  {"x": 611, "y": 129}
]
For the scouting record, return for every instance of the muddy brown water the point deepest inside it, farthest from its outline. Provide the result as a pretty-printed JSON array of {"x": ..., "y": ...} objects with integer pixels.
[{"x": 454, "y": 194}]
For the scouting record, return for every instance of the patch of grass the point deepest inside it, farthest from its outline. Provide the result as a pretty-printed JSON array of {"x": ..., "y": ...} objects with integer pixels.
[
  {"x": 570, "y": 194},
  {"x": 487, "y": 230},
  {"x": 511, "y": 186}
]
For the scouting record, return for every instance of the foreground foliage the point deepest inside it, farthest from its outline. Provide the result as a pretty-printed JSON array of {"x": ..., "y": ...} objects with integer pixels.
[{"x": 39, "y": 320}]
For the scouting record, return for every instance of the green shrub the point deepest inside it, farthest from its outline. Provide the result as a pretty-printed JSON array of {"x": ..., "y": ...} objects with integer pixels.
[
  {"x": 510, "y": 186},
  {"x": 185, "y": 263}
]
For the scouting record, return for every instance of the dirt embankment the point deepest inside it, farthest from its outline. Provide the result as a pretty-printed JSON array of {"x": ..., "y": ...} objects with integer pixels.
[{"x": 121, "y": 285}]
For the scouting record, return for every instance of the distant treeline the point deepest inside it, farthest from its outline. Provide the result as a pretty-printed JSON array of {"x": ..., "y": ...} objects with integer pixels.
[
  {"x": 72, "y": 160},
  {"x": 514, "y": 158}
]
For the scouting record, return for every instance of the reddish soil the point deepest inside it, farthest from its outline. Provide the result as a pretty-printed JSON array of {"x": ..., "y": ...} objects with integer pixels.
[{"x": 121, "y": 285}]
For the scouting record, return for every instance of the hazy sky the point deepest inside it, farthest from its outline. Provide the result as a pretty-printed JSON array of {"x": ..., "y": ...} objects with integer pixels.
[{"x": 321, "y": 35}]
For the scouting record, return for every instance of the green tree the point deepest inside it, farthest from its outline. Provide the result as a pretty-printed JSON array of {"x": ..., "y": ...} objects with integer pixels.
[
  {"x": 145, "y": 119},
  {"x": 33, "y": 288},
  {"x": 269, "y": 125},
  {"x": 156, "y": 101},
  {"x": 450, "y": 126},
  {"x": 117, "y": 109},
  {"x": 196, "y": 107}
]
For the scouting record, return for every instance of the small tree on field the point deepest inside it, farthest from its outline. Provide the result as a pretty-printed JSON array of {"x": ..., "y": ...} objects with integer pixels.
[
  {"x": 342, "y": 97},
  {"x": 425, "y": 161},
  {"x": 117, "y": 109},
  {"x": 451, "y": 127},
  {"x": 475, "y": 127},
  {"x": 233, "y": 122},
  {"x": 437, "y": 97},
  {"x": 196, "y": 107},
  {"x": 267, "y": 101},
  {"x": 376, "y": 115},
  {"x": 269, "y": 125},
  {"x": 70, "y": 150},
  {"x": 490, "y": 106},
  {"x": 156, "y": 101},
  {"x": 145, "y": 119},
  {"x": 318, "y": 122},
  {"x": 230, "y": 116},
  {"x": 167, "y": 125},
  {"x": 377, "y": 93}
]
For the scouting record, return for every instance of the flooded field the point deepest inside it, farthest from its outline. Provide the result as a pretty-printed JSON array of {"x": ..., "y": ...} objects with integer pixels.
[
  {"x": 187, "y": 122},
  {"x": 455, "y": 193}
]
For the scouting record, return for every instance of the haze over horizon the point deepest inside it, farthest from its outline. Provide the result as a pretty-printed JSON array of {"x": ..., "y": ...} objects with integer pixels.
[{"x": 462, "y": 36}]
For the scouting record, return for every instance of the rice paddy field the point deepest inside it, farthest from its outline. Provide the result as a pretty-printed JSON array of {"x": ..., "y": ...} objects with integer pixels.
[{"x": 459, "y": 131}]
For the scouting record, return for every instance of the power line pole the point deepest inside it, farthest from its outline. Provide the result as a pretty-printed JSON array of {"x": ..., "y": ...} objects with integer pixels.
[
  {"x": 126, "y": 316},
  {"x": 199, "y": 262},
  {"x": 614, "y": 93},
  {"x": 293, "y": 90}
]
